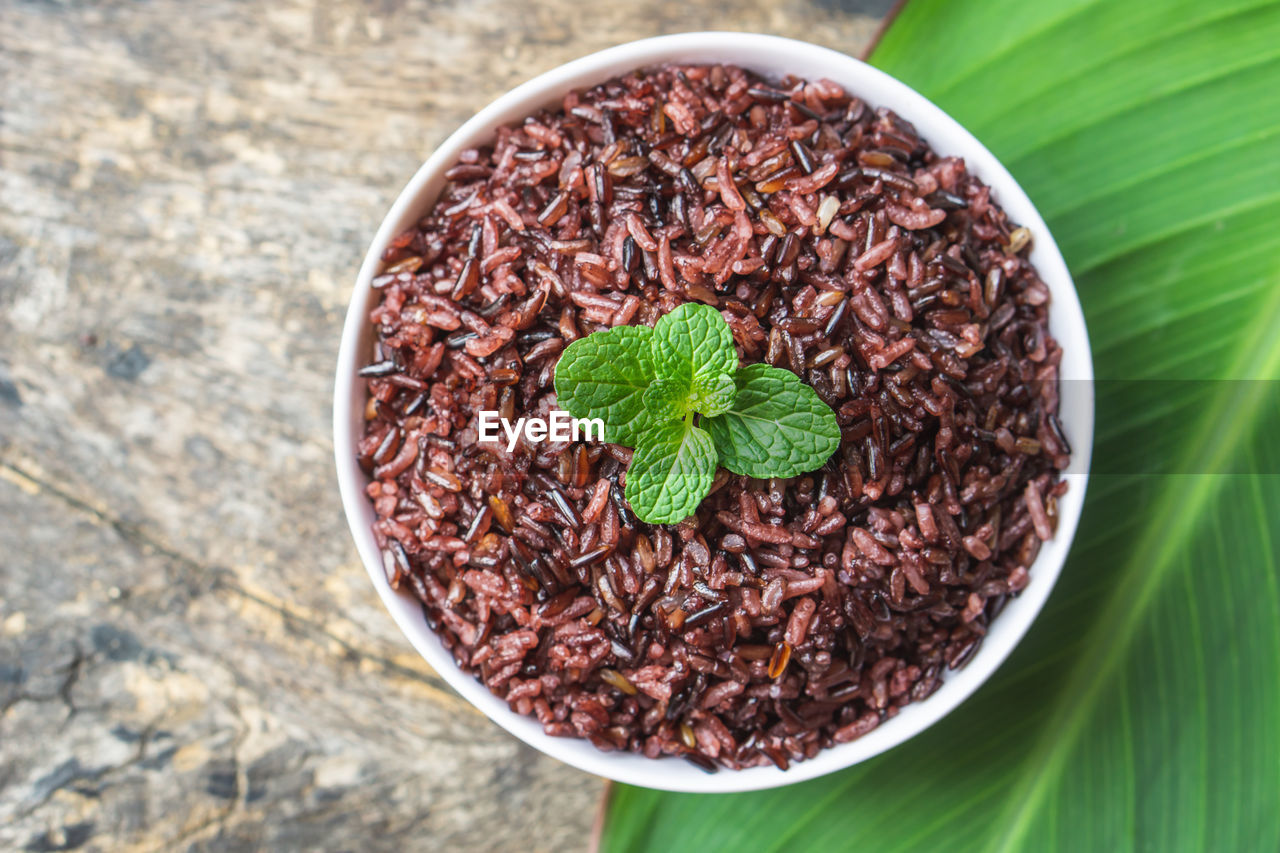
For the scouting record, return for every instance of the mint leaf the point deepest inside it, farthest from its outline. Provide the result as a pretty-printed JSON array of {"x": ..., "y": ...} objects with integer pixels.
[
  {"x": 670, "y": 399},
  {"x": 604, "y": 375},
  {"x": 691, "y": 342},
  {"x": 777, "y": 426},
  {"x": 713, "y": 395},
  {"x": 671, "y": 472},
  {"x": 650, "y": 386},
  {"x": 667, "y": 400}
]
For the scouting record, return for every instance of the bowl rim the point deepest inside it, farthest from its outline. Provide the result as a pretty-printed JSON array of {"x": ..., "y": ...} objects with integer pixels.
[{"x": 770, "y": 55}]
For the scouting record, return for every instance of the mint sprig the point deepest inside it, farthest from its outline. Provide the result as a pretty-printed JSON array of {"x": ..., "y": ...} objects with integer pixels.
[{"x": 676, "y": 394}]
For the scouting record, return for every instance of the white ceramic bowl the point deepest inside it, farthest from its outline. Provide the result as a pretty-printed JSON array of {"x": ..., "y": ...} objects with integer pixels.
[{"x": 770, "y": 56}]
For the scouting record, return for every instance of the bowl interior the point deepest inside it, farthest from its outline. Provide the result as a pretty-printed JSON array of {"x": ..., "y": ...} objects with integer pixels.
[{"x": 769, "y": 56}]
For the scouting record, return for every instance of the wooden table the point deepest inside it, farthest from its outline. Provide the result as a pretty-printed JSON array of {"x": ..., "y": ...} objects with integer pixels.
[{"x": 191, "y": 655}]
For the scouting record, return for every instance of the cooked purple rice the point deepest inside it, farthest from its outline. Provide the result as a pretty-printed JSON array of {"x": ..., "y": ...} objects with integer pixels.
[{"x": 788, "y": 615}]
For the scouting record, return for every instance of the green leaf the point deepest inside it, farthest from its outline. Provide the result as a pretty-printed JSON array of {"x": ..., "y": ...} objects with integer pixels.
[
  {"x": 671, "y": 472},
  {"x": 667, "y": 400},
  {"x": 1140, "y": 713},
  {"x": 777, "y": 426},
  {"x": 692, "y": 342},
  {"x": 604, "y": 375},
  {"x": 713, "y": 395}
]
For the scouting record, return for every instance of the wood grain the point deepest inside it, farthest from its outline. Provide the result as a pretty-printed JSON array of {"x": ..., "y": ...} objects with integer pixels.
[{"x": 191, "y": 656}]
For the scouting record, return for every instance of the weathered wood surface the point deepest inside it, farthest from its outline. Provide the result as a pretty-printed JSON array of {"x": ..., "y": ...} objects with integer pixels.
[{"x": 190, "y": 653}]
